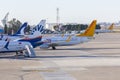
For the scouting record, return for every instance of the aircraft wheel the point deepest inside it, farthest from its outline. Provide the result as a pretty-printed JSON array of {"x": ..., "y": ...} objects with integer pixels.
[{"x": 53, "y": 47}]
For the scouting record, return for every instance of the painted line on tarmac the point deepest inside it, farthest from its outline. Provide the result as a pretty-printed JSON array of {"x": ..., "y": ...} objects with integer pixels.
[{"x": 58, "y": 75}]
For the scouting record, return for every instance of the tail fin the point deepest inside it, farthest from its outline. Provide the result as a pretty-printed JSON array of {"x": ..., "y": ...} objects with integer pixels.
[
  {"x": 5, "y": 19},
  {"x": 111, "y": 26},
  {"x": 37, "y": 30},
  {"x": 21, "y": 30},
  {"x": 90, "y": 30}
]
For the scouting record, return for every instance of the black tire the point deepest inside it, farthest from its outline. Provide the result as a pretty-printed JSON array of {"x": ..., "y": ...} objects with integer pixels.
[{"x": 53, "y": 47}]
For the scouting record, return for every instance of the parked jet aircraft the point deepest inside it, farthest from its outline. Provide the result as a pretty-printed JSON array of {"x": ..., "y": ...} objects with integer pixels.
[
  {"x": 21, "y": 45},
  {"x": 110, "y": 29},
  {"x": 69, "y": 39}
]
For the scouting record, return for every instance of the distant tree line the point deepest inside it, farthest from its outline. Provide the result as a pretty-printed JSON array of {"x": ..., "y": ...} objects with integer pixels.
[
  {"x": 73, "y": 27},
  {"x": 13, "y": 25}
]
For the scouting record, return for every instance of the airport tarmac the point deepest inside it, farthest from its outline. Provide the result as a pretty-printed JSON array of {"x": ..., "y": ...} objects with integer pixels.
[{"x": 98, "y": 59}]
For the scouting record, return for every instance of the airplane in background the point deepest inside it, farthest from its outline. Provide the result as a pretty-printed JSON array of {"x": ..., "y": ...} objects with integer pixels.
[
  {"x": 22, "y": 46},
  {"x": 68, "y": 40},
  {"x": 110, "y": 29},
  {"x": 20, "y": 33}
]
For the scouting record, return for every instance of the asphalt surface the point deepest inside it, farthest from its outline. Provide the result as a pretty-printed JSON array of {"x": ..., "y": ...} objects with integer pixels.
[{"x": 98, "y": 59}]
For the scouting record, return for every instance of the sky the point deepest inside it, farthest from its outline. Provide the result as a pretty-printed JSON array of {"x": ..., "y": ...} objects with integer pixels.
[{"x": 70, "y": 11}]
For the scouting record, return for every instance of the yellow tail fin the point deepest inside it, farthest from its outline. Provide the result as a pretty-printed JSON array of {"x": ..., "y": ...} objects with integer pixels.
[
  {"x": 90, "y": 30},
  {"x": 111, "y": 26}
]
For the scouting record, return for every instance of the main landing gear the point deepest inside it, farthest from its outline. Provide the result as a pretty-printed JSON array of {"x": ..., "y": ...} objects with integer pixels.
[{"x": 53, "y": 47}]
